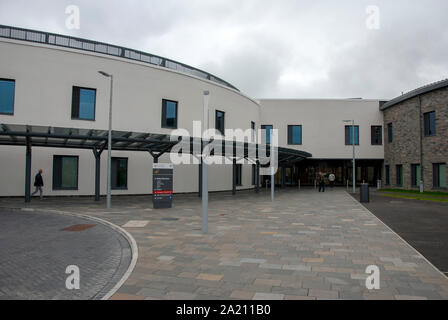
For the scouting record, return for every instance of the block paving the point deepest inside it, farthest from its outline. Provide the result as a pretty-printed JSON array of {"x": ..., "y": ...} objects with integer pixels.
[{"x": 303, "y": 246}]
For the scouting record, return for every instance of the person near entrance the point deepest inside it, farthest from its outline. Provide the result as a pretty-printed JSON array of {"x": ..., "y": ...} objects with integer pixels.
[
  {"x": 321, "y": 181},
  {"x": 38, "y": 183},
  {"x": 331, "y": 178}
]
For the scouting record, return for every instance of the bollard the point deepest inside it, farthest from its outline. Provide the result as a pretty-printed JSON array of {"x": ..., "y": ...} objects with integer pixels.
[{"x": 364, "y": 193}]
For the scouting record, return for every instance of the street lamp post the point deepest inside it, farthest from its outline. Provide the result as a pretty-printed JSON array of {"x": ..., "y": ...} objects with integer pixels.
[
  {"x": 205, "y": 167},
  {"x": 353, "y": 143},
  {"x": 109, "y": 140}
]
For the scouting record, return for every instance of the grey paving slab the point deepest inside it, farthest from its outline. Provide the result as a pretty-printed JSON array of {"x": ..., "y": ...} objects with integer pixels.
[
  {"x": 305, "y": 244},
  {"x": 36, "y": 248}
]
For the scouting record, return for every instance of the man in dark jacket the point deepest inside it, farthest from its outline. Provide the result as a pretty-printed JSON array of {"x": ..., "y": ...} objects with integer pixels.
[{"x": 38, "y": 183}]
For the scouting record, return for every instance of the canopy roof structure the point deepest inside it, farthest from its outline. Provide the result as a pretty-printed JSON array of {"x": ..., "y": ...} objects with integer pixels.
[{"x": 156, "y": 144}]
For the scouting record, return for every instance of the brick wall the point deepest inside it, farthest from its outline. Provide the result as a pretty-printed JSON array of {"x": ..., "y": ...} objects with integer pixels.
[{"x": 405, "y": 148}]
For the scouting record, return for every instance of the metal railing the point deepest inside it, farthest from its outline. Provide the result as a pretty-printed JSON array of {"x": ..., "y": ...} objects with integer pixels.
[{"x": 104, "y": 48}]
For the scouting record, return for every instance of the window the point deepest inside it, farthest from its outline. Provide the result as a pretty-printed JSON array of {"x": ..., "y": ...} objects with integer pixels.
[
  {"x": 65, "y": 172},
  {"x": 349, "y": 135},
  {"x": 219, "y": 121},
  {"x": 83, "y": 103},
  {"x": 399, "y": 175},
  {"x": 377, "y": 135},
  {"x": 7, "y": 88},
  {"x": 239, "y": 171},
  {"x": 429, "y": 120},
  {"x": 294, "y": 134},
  {"x": 119, "y": 173},
  {"x": 254, "y": 172},
  {"x": 439, "y": 175},
  {"x": 387, "y": 169},
  {"x": 252, "y": 127},
  {"x": 415, "y": 175},
  {"x": 268, "y": 129},
  {"x": 169, "y": 114},
  {"x": 390, "y": 133}
]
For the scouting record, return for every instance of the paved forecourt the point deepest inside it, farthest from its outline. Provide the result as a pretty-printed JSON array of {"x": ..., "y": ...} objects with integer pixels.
[
  {"x": 36, "y": 247},
  {"x": 305, "y": 245}
]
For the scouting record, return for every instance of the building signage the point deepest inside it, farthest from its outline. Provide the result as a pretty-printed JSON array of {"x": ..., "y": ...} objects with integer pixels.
[{"x": 162, "y": 185}]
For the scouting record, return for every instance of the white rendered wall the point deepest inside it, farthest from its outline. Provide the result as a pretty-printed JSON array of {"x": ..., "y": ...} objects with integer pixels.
[
  {"x": 44, "y": 77},
  {"x": 323, "y": 133}
]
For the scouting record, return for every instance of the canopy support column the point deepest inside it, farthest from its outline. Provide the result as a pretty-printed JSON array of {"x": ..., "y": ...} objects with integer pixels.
[
  {"x": 28, "y": 171},
  {"x": 283, "y": 176},
  {"x": 97, "y": 155},
  {"x": 257, "y": 178}
]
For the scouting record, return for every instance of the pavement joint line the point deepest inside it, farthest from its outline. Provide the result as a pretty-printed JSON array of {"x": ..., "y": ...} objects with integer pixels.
[
  {"x": 407, "y": 243},
  {"x": 127, "y": 235}
]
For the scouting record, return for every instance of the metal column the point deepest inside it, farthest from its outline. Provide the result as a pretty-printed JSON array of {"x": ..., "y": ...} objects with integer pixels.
[
  {"x": 28, "y": 172},
  {"x": 234, "y": 169},
  {"x": 257, "y": 178},
  {"x": 200, "y": 178},
  {"x": 283, "y": 176},
  {"x": 97, "y": 155}
]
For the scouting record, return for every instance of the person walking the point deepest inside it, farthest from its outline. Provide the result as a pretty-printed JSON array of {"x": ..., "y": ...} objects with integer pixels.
[
  {"x": 321, "y": 180},
  {"x": 38, "y": 183},
  {"x": 331, "y": 178}
]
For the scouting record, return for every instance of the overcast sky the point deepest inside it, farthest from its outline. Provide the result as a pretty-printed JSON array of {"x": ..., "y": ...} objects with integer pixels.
[{"x": 270, "y": 49}]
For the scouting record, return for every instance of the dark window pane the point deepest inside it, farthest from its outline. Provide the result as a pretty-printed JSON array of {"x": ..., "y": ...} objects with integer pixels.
[
  {"x": 83, "y": 103},
  {"x": 387, "y": 169},
  {"x": 439, "y": 175},
  {"x": 169, "y": 114},
  {"x": 390, "y": 133},
  {"x": 429, "y": 120},
  {"x": 294, "y": 134},
  {"x": 376, "y": 135},
  {"x": 219, "y": 121},
  {"x": 399, "y": 175},
  {"x": 119, "y": 173},
  {"x": 349, "y": 135},
  {"x": 65, "y": 172},
  {"x": 415, "y": 175},
  {"x": 7, "y": 96},
  {"x": 267, "y": 129}
]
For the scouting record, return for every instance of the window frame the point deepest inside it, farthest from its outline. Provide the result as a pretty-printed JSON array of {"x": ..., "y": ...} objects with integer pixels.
[
  {"x": 399, "y": 183},
  {"x": 73, "y": 117},
  {"x": 390, "y": 132},
  {"x": 427, "y": 124},
  {"x": 347, "y": 141},
  {"x": 387, "y": 174},
  {"x": 163, "y": 116},
  {"x": 263, "y": 127},
  {"x": 54, "y": 187},
  {"x": 373, "y": 135},
  {"x": 290, "y": 136},
  {"x": 253, "y": 130},
  {"x": 222, "y": 132},
  {"x": 436, "y": 177},
  {"x": 127, "y": 173},
  {"x": 13, "y": 98},
  {"x": 415, "y": 167}
]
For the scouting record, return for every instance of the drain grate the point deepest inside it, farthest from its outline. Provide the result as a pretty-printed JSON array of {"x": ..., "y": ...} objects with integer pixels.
[
  {"x": 170, "y": 219},
  {"x": 79, "y": 227}
]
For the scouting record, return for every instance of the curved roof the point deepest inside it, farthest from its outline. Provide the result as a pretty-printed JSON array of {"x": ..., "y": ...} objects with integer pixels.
[
  {"x": 104, "y": 48},
  {"x": 411, "y": 94}
]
